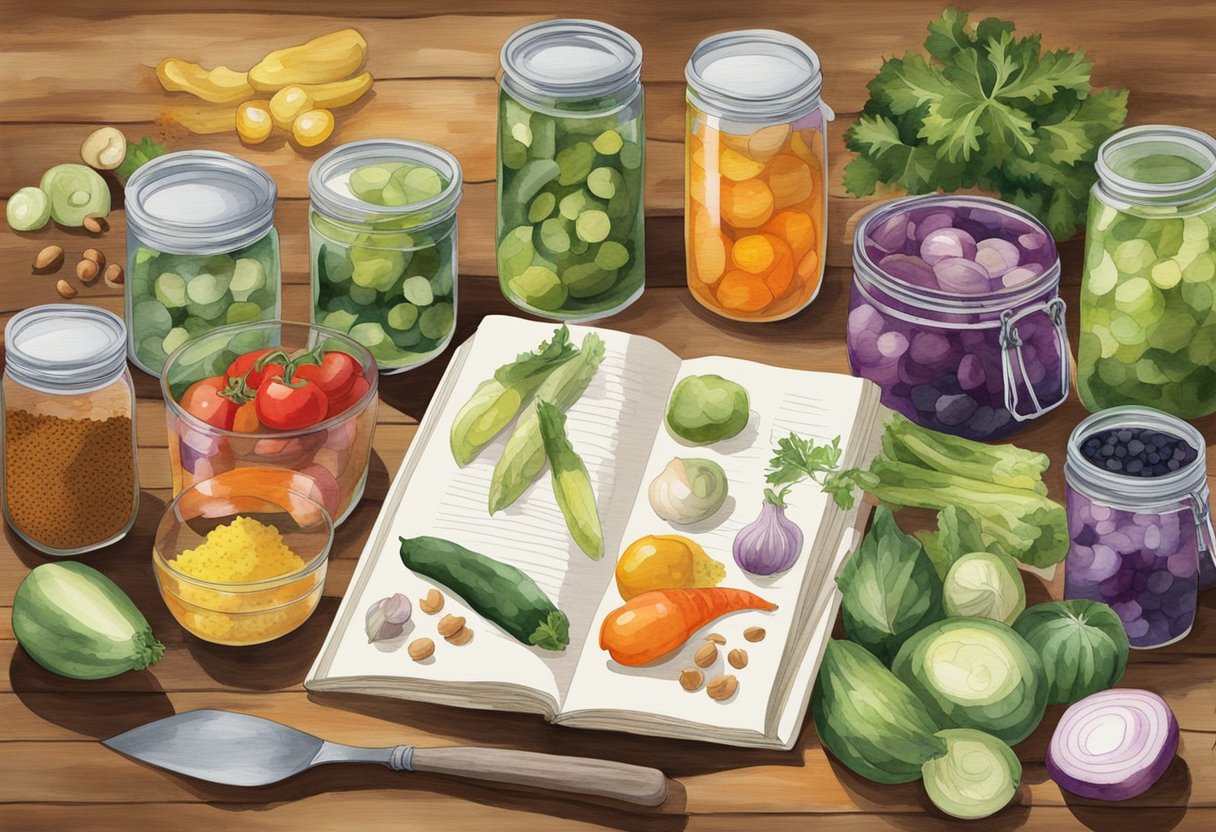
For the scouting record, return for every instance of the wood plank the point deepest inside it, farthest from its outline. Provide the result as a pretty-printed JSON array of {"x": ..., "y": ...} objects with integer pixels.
[{"x": 1046, "y": 818}]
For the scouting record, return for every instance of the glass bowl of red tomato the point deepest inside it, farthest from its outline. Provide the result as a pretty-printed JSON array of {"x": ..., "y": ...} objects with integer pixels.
[{"x": 280, "y": 403}]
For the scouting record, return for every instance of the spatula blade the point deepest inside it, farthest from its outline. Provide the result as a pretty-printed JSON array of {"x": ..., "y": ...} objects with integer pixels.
[{"x": 220, "y": 747}]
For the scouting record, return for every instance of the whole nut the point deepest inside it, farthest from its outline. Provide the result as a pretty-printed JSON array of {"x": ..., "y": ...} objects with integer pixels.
[
  {"x": 716, "y": 638},
  {"x": 49, "y": 259},
  {"x": 104, "y": 149},
  {"x": 87, "y": 271},
  {"x": 706, "y": 655},
  {"x": 432, "y": 603},
  {"x": 461, "y": 637},
  {"x": 66, "y": 290},
  {"x": 754, "y": 634},
  {"x": 737, "y": 658},
  {"x": 722, "y": 687},
  {"x": 691, "y": 679},
  {"x": 450, "y": 625},
  {"x": 421, "y": 649},
  {"x": 96, "y": 256},
  {"x": 114, "y": 276},
  {"x": 94, "y": 224}
]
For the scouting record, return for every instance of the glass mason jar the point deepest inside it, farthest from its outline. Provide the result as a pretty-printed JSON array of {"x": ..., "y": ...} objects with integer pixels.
[
  {"x": 70, "y": 478},
  {"x": 1139, "y": 542},
  {"x": 571, "y": 154},
  {"x": 1148, "y": 320},
  {"x": 955, "y": 313},
  {"x": 382, "y": 230},
  {"x": 755, "y": 204}
]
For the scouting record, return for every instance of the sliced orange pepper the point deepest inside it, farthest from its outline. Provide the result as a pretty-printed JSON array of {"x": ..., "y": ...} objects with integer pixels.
[
  {"x": 796, "y": 228},
  {"x": 743, "y": 292},
  {"x": 747, "y": 204}
]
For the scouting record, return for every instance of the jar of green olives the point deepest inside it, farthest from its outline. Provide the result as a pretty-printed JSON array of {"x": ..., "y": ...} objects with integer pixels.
[
  {"x": 382, "y": 230},
  {"x": 571, "y": 148},
  {"x": 1148, "y": 316},
  {"x": 202, "y": 251}
]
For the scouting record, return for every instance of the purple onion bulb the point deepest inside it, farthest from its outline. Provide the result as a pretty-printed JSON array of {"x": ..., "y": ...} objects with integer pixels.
[{"x": 772, "y": 542}]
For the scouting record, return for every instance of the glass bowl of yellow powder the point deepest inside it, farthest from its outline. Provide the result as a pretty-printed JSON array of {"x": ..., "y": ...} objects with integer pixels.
[{"x": 238, "y": 567}]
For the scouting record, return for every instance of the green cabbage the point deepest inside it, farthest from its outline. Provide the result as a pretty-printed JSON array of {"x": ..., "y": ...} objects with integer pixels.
[
  {"x": 869, "y": 719},
  {"x": 976, "y": 778},
  {"x": 984, "y": 584},
  {"x": 975, "y": 673},
  {"x": 1082, "y": 644}
]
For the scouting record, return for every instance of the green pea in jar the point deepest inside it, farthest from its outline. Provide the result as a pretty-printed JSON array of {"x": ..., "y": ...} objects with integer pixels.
[
  {"x": 571, "y": 148},
  {"x": 1148, "y": 317}
]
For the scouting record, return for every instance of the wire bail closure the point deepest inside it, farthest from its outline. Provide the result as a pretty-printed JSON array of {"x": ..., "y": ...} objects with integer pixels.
[{"x": 1011, "y": 350}]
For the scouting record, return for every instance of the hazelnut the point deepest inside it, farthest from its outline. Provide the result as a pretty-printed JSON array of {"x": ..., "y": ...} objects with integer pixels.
[
  {"x": 754, "y": 634},
  {"x": 87, "y": 271},
  {"x": 721, "y": 688},
  {"x": 716, "y": 638},
  {"x": 66, "y": 290},
  {"x": 691, "y": 679},
  {"x": 114, "y": 276},
  {"x": 706, "y": 655},
  {"x": 461, "y": 637},
  {"x": 95, "y": 225},
  {"x": 432, "y": 603},
  {"x": 421, "y": 649},
  {"x": 94, "y": 255},
  {"x": 450, "y": 625},
  {"x": 737, "y": 658},
  {"x": 49, "y": 259}
]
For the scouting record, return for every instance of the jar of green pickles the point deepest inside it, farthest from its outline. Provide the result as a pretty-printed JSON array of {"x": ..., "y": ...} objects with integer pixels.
[
  {"x": 1148, "y": 320},
  {"x": 202, "y": 251},
  {"x": 382, "y": 228},
  {"x": 571, "y": 148}
]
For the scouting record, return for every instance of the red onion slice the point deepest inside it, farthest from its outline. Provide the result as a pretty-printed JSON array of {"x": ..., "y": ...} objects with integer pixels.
[{"x": 1113, "y": 745}]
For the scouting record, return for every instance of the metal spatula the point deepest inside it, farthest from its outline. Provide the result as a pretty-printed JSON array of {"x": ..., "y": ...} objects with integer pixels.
[{"x": 241, "y": 750}]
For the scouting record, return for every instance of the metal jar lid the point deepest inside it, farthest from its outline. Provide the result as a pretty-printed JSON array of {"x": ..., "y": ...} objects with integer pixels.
[
  {"x": 754, "y": 75},
  {"x": 200, "y": 202},
  {"x": 61, "y": 348},
  {"x": 571, "y": 60}
]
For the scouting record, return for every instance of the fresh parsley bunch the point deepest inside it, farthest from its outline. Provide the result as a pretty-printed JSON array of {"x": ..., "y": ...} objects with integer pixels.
[{"x": 988, "y": 111}]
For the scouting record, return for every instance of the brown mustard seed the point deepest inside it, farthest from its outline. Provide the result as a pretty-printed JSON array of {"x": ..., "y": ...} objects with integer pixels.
[
  {"x": 461, "y": 637},
  {"x": 95, "y": 256},
  {"x": 754, "y": 634},
  {"x": 432, "y": 603},
  {"x": 87, "y": 271},
  {"x": 450, "y": 625},
  {"x": 421, "y": 649},
  {"x": 721, "y": 688},
  {"x": 114, "y": 276},
  {"x": 95, "y": 225},
  {"x": 737, "y": 658},
  {"x": 49, "y": 259},
  {"x": 706, "y": 655},
  {"x": 66, "y": 290},
  {"x": 691, "y": 679},
  {"x": 716, "y": 638}
]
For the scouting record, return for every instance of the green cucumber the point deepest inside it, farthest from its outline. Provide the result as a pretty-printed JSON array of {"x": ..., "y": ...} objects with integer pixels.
[
  {"x": 76, "y": 622},
  {"x": 498, "y": 592}
]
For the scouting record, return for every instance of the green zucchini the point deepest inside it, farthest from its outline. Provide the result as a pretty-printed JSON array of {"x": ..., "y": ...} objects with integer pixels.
[
  {"x": 76, "y": 622},
  {"x": 498, "y": 592}
]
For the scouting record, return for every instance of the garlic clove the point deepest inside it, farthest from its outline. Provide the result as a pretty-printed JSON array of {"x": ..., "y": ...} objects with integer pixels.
[{"x": 387, "y": 617}]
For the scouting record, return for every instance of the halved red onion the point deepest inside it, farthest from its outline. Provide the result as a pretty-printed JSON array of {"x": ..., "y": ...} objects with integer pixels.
[{"x": 1113, "y": 745}]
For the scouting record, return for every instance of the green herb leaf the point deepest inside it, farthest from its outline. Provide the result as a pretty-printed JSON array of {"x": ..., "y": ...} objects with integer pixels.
[
  {"x": 138, "y": 154},
  {"x": 958, "y": 533},
  {"x": 796, "y": 459}
]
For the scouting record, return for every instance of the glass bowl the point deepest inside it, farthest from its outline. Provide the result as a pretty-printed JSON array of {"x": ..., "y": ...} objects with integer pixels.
[
  {"x": 334, "y": 453},
  {"x": 246, "y": 612}
]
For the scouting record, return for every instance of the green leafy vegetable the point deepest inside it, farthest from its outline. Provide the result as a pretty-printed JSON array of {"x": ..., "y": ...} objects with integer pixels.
[
  {"x": 796, "y": 459},
  {"x": 708, "y": 408},
  {"x": 957, "y": 532},
  {"x": 890, "y": 589},
  {"x": 1020, "y": 522},
  {"x": 984, "y": 584},
  {"x": 986, "y": 110},
  {"x": 138, "y": 154},
  {"x": 977, "y": 777},
  {"x": 1083, "y": 646},
  {"x": 496, "y": 401},
  {"x": 869, "y": 719},
  {"x": 571, "y": 482}
]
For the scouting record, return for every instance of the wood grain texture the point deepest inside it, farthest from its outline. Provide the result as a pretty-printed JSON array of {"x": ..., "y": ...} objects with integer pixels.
[{"x": 70, "y": 65}]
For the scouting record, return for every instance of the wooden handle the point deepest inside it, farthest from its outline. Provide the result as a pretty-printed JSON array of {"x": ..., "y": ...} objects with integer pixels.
[{"x": 619, "y": 781}]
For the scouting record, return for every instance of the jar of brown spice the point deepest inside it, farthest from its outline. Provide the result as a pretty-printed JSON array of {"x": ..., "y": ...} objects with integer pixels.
[{"x": 69, "y": 472}]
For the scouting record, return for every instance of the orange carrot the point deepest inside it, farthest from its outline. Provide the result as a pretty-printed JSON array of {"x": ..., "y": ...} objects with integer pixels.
[{"x": 653, "y": 624}]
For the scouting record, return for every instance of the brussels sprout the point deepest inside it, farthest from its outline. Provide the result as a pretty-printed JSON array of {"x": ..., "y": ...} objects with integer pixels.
[{"x": 708, "y": 408}]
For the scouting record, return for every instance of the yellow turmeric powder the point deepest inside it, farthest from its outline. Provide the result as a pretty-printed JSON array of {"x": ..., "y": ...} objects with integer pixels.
[{"x": 242, "y": 551}]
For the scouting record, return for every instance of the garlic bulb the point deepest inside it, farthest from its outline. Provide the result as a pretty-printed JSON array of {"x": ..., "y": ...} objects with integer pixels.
[
  {"x": 387, "y": 617},
  {"x": 772, "y": 542},
  {"x": 688, "y": 490}
]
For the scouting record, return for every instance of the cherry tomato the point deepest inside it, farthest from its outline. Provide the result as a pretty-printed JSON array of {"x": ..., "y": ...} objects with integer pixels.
[
  {"x": 283, "y": 405},
  {"x": 243, "y": 364},
  {"x": 335, "y": 375},
  {"x": 203, "y": 401},
  {"x": 246, "y": 419},
  {"x": 349, "y": 399}
]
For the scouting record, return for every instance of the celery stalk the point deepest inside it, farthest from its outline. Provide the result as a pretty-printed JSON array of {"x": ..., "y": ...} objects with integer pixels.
[{"x": 571, "y": 482}]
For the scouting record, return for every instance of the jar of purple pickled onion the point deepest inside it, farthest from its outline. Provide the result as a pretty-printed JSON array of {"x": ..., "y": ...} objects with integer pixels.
[
  {"x": 955, "y": 313},
  {"x": 1139, "y": 524}
]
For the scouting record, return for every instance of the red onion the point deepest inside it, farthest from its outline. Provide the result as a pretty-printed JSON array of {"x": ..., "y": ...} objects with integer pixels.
[
  {"x": 1113, "y": 745},
  {"x": 772, "y": 542}
]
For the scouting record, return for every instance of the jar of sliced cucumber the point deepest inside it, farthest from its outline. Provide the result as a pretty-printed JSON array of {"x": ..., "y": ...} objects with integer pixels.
[
  {"x": 570, "y": 170},
  {"x": 383, "y": 238},
  {"x": 202, "y": 251}
]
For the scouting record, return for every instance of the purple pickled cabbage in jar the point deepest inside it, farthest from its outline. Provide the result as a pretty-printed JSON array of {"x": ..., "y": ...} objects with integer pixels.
[
  {"x": 1139, "y": 535},
  {"x": 955, "y": 313}
]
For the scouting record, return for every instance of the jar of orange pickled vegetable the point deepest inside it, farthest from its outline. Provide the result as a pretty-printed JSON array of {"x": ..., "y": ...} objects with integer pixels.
[{"x": 755, "y": 164}]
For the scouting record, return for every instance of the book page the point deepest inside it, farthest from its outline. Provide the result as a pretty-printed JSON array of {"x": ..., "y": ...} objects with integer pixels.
[
  {"x": 611, "y": 426},
  {"x": 818, "y": 406}
]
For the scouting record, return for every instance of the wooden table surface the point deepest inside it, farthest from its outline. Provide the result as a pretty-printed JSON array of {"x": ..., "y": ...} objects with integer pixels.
[{"x": 67, "y": 67}]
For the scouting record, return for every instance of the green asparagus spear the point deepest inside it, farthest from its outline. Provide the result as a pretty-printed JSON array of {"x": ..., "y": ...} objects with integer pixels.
[
  {"x": 571, "y": 482},
  {"x": 524, "y": 456},
  {"x": 496, "y": 401}
]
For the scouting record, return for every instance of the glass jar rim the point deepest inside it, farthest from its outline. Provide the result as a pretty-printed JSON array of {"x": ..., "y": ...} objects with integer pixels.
[
  {"x": 345, "y": 157},
  {"x": 529, "y": 79},
  {"x": 790, "y": 101},
  {"x": 237, "y": 213},
  {"x": 1186, "y": 142},
  {"x": 933, "y": 300},
  {"x": 1134, "y": 492},
  {"x": 80, "y": 373}
]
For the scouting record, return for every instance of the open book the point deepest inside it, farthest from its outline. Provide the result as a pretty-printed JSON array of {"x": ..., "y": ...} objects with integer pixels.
[{"x": 617, "y": 427}]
